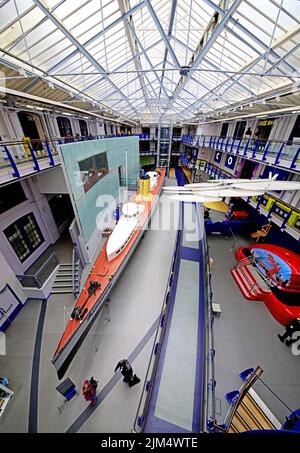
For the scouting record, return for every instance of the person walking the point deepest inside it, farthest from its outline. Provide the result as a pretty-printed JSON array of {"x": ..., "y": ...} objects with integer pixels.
[{"x": 127, "y": 371}]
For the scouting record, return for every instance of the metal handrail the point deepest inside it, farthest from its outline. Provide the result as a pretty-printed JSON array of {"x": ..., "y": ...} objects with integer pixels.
[
  {"x": 36, "y": 278},
  {"x": 163, "y": 315},
  {"x": 248, "y": 258},
  {"x": 252, "y": 139},
  {"x": 242, "y": 392}
]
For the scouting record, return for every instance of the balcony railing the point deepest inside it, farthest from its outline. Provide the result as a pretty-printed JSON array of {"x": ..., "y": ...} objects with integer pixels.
[
  {"x": 269, "y": 151},
  {"x": 21, "y": 158}
]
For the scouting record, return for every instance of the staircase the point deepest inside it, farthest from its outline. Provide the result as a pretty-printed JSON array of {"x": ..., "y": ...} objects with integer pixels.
[
  {"x": 250, "y": 282},
  {"x": 63, "y": 283},
  {"x": 249, "y": 416}
]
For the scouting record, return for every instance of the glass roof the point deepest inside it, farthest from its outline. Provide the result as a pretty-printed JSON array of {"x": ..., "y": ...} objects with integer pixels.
[{"x": 157, "y": 59}]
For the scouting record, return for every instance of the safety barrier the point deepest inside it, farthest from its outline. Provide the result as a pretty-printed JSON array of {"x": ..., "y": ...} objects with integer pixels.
[
  {"x": 210, "y": 382},
  {"x": 276, "y": 152},
  {"x": 140, "y": 418},
  {"x": 24, "y": 157},
  {"x": 287, "y": 217}
]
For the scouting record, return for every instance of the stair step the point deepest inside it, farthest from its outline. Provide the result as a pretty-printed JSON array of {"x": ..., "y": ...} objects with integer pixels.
[
  {"x": 61, "y": 292},
  {"x": 250, "y": 276},
  {"x": 55, "y": 286},
  {"x": 60, "y": 280},
  {"x": 243, "y": 288}
]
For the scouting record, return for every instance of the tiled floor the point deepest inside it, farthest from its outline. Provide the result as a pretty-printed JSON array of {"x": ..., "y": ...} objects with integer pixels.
[{"x": 133, "y": 309}]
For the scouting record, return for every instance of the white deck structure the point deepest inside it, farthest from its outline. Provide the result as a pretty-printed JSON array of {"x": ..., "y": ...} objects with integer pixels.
[{"x": 124, "y": 229}]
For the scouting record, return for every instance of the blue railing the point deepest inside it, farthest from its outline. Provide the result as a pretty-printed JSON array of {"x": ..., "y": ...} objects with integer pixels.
[
  {"x": 273, "y": 151},
  {"x": 21, "y": 158},
  {"x": 140, "y": 419}
]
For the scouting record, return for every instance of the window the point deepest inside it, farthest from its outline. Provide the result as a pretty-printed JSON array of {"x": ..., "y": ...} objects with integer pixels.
[
  {"x": 93, "y": 169},
  {"x": 295, "y": 131},
  {"x": 224, "y": 130},
  {"x": 24, "y": 236},
  {"x": 64, "y": 126},
  {"x": 83, "y": 128}
]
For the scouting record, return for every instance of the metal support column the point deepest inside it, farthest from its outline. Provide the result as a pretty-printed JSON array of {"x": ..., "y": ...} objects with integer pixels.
[
  {"x": 158, "y": 145},
  {"x": 170, "y": 148}
]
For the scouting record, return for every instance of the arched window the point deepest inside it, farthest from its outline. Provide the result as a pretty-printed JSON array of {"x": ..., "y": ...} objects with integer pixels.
[
  {"x": 64, "y": 126},
  {"x": 83, "y": 128}
]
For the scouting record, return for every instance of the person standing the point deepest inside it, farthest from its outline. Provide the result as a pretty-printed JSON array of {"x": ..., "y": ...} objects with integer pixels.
[
  {"x": 291, "y": 328},
  {"x": 127, "y": 371},
  {"x": 89, "y": 390}
]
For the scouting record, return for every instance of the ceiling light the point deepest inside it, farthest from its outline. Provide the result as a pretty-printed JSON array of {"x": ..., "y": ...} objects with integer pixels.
[
  {"x": 277, "y": 99},
  {"x": 30, "y": 106}
]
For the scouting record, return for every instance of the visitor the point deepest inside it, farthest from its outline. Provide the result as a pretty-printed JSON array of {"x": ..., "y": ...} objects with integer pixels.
[
  {"x": 248, "y": 133},
  {"x": 127, "y": 372},
  {"x": 291, "y": 328},
  {"x": 89, "y": 390}
]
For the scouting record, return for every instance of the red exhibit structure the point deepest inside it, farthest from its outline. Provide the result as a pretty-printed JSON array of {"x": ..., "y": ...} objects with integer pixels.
[{"x": 270, "y": 273}]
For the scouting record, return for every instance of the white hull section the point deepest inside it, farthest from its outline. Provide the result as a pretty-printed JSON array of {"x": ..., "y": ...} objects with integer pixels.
[
  {"x": 124, "y": 229},
  {"x": 154, "y": 176}
]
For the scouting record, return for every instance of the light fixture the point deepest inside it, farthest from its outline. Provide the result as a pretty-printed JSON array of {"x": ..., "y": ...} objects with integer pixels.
[{"x": 30, "y": 106}]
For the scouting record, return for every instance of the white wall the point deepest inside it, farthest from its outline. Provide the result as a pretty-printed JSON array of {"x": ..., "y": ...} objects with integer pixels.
[
  {"x": 209, "y": 129},
  {"x": 51, "y": 181},
  {"x": 39, "y": 206}
]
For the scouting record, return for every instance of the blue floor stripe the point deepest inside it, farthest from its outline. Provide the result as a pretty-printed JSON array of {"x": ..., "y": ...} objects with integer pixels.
[
  {"x": 189, "y": 254},
  {"x": 85, "y": 415},
  {"x": 34, "y": 389}
]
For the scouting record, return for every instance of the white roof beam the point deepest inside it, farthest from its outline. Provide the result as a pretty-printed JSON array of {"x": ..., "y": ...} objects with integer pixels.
[{"x": 43, "y": 6}]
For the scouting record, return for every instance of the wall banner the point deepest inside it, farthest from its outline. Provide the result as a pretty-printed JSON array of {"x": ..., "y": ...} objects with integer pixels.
[
  {"x": 230, "y": 161},
  {"x": 218, "y": 156}
]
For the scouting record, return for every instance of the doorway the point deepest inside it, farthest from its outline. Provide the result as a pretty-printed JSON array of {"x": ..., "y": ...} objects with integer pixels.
[
  {"x": 62, "y": 211},
  {"x": 248, "y": 169},
  {"x": 32, "y": 128},
  {"x": 264, "y": 128},
  {"x": 239, "y": 129}
]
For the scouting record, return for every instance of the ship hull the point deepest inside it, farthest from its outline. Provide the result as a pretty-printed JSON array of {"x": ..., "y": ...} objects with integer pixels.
[{"x": 65, "y": 355}]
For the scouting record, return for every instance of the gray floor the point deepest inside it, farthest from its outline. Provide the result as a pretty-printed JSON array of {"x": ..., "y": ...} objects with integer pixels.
[
  {"x": 246, "y": 336},
  {"x": 175, "y": 401},
  {"x": 134, "y": 307}
]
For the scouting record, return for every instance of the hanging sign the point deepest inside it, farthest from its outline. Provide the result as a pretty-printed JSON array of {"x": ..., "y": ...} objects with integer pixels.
[
  {"x": 230, "y": 161},
  {"x": 218, "y": 156}
]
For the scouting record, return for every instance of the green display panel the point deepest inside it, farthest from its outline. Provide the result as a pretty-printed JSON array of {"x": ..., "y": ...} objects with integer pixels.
[
  {"x": 147, "y": 160},
  {"x": 98, "y": 168}
]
